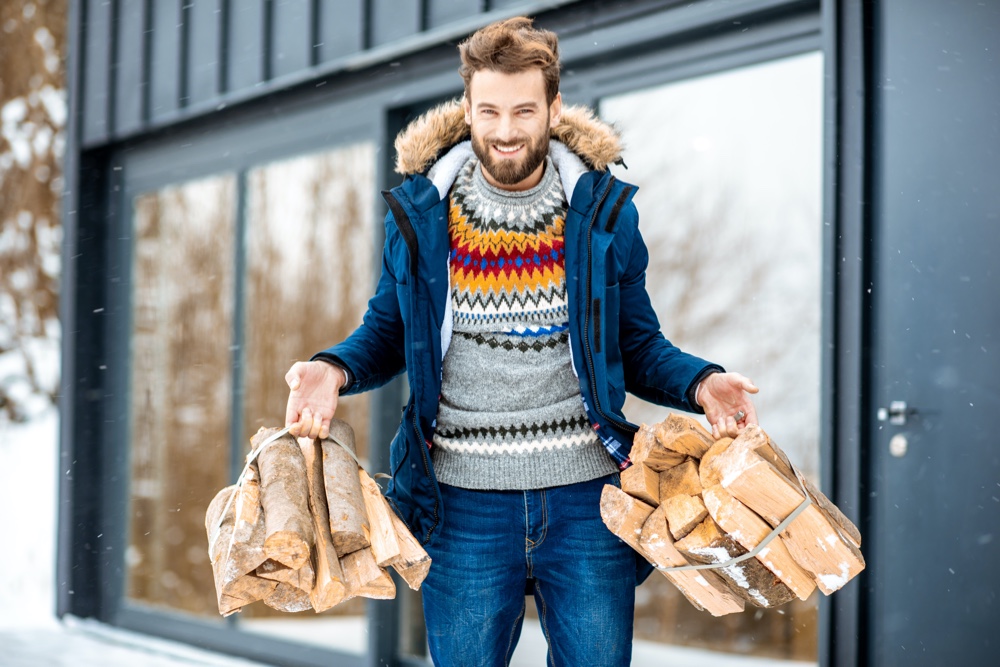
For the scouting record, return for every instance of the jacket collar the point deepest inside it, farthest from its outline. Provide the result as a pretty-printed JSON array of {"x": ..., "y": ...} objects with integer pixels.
[{"x": 437, "y": 144}]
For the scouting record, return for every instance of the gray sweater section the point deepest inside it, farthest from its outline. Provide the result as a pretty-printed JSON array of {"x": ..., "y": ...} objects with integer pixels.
[{"x": 511, "y": 415}]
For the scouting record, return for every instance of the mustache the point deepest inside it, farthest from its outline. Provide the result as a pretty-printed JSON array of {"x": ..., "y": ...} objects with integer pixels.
[{"x": 517, "y": 141}]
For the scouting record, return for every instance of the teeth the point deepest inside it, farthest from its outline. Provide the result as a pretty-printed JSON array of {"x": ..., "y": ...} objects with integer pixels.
[{"x": 512, "y": 149}]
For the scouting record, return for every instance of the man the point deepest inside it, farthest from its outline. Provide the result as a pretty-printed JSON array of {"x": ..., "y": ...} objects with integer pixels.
[{"x": 513, "y": 295}]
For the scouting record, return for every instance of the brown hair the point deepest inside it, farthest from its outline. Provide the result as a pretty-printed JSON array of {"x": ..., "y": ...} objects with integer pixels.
[{"x": 510, "y": 47}]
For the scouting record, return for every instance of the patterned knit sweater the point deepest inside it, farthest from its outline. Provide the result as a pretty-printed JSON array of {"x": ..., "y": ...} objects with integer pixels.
[{"x": 510, "y": 415}]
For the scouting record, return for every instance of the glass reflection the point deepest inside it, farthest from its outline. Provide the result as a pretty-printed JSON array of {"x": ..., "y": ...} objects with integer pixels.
[
  {"x": 310, "y": 249},
  {"x": 182, "y": 313},
  {"x": 729, "y": 174}
]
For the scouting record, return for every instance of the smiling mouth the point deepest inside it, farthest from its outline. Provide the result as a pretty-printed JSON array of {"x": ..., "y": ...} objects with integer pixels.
[{"x": 508, "y": 150}]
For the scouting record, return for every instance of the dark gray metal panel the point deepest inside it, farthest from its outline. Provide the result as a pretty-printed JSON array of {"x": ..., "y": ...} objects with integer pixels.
[
  {"x": 204, "y": 69},
  {"x": 291, "y": 36},
  {"x": 245, "y": 44},
  {"x": 935, "y": 542},
  {"x": 440, "y": 12},
  {"x": 340, "y": 28},
  {"x": 394, "y": 19},
  {"x": 130, "y": 65},
  {"x": 846, "y": 304},
  {"x": 165, "y": 59},
  {"x": 97, "y": 71},
  {"x": 504, "y": 4}
]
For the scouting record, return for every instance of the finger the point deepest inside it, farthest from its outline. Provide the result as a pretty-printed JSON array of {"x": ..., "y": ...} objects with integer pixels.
[
  {"x": 731, "y": 429},
  {"x": 324, "y": 430},
  {"x": 749, "y": 386},
  {"x": 751, "y": 417},
  {"x": 314, "y": 428},
  {"x": 292, "y": 378},
  {"x": 295, "y": 428},
  {"x": 305, "y": 422}
]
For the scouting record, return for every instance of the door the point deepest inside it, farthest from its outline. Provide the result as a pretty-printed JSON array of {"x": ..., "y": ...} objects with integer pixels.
[{"x": 934, "y": 542}]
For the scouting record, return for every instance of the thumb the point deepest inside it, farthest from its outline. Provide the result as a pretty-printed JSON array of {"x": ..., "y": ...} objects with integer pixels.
[
  {"x": 292, "y": 379},
  {"x": 749, "y": 386}
]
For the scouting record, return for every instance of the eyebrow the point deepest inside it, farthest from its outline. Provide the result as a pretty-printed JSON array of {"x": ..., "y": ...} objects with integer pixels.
[{"x": 521, "y": 105}]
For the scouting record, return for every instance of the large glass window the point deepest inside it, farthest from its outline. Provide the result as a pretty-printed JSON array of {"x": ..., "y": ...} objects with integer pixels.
[
  {"x": 183, "y": 281},
  {"x": 729, "y": 172},
  {"x": 310, "y": 249},
  {"x": 300, "y": 263}
]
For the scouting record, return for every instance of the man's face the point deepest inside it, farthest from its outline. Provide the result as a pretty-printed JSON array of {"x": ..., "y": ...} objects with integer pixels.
[{"x": 510, "y": 123}]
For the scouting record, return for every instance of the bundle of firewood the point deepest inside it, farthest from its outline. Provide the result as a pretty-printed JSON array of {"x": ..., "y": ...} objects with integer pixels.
[
  {"x": 307, "y": 527},
  {"x": 691, "y": 500}
]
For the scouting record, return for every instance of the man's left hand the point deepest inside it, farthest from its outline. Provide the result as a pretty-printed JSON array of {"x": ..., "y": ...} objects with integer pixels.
[{"x": 724, "y": 396}]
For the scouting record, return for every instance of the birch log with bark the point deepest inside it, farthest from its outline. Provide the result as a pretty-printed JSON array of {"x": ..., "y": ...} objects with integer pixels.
[
  {"x": 285, "y": 498},
  {"x": 349, "y": 525}
]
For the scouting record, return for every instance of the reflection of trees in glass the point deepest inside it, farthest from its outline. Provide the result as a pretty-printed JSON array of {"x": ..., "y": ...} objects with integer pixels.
[
  {"x": 182, "y": 287},
  {"x": 309, "y": 275},
  {"x": 728, "y": 168}
]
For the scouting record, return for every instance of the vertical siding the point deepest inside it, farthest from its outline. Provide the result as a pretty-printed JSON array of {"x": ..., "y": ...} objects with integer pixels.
[
  {"x": 440, "y": 12},
  {"x": 340, "y": 28},
  {"x": 245, "y": 48},
  {"x": 165, "y": 59},
  {"x": 394, "y": 19},
  {"x": 97, "y": 71},
  {"x": 130, "y": 57},
  {"x": 204, "y": 23},
  {"x": 291, "y": 36}
]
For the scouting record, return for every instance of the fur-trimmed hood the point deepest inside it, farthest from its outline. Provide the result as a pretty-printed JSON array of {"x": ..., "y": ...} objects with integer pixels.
[{"x": 425, "y": 140}]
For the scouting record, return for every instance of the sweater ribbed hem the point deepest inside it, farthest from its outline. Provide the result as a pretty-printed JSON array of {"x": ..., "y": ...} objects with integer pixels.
[{"x": 514, "y": 472}]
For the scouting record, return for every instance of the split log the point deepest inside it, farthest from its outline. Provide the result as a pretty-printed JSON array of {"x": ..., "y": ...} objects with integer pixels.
[
  {"x": 814, "y": 543},
  {"x": 413, "y": 563},
  {"x": 707, "y": 472},
  {"x": 304, "y": 577},
  {"x": 743, "y": 525},
  {"x": 642, "y": 482},
  {"x": 235, "y": 584},
  {"x": 385, "y": 545},
  {"x": 704, "y": 589},
  {"x": 680, "y": 479},
  {"x": 285, "y": 498},
  {"x": 286, "y": 597},
  {"x": 364, "y": 578},
  {"x": 749, "y": 578},
  {"x": 648, "y": 450},
  {"x": 684, "y": 435},
  {"x": 772, "y": 453},
  {"x": 348, "y": 522},
  {"x": 328, "y": 589},
  {"x": 683, "y": 513}
]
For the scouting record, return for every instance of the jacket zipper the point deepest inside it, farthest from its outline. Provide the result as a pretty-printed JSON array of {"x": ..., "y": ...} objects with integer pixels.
[
  {"x": 625, "y": 426},
  {"x": 405, "y": 227}
]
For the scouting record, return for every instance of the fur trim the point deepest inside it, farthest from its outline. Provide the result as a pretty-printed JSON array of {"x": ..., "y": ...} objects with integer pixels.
[{"x": 424, "y": 140}]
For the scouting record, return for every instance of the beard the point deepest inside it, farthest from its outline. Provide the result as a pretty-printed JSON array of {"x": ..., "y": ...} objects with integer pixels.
[{"x": 510, "y": 171}]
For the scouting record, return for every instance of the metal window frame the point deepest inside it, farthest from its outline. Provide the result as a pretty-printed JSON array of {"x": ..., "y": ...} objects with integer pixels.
[{"x": 642, "y": 45}]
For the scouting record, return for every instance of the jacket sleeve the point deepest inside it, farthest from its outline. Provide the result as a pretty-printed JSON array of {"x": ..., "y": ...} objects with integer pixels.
[
  {"x": 373, "y": 354},
  {"x": 655, "y": 369}
]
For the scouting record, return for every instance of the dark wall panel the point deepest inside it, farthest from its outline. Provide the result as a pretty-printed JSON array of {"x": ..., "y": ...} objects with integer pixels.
[
  {"x": 204, "y": 22},
  {"x": 165, "y": 59},
  {"x": 440, "y": 12},
  {"x": 130, "y": 81},
  {"x": 245, "y": 44},
  {"x": 341, "y": 26},
  {"x": 292, "y": 40},
  {"x": 394, "y": 19},
  {"x": 97, "y": 71}
]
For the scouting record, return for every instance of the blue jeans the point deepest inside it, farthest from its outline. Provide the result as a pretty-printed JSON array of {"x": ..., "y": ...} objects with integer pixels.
[{"x": 495, "y": 545}]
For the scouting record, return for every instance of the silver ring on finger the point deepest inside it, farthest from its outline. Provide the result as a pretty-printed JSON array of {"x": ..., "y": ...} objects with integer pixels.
[{"x": 739, "y": 416}]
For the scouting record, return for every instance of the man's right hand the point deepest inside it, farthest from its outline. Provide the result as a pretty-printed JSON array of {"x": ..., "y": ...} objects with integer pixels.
[{"x": 312, "y": 400}]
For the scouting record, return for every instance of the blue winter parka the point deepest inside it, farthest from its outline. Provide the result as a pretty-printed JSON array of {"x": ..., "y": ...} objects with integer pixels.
[{"x": 615, "y": 337}]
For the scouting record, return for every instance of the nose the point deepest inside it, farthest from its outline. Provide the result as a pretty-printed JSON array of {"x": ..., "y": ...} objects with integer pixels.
[{"x": 505, "y": 128}]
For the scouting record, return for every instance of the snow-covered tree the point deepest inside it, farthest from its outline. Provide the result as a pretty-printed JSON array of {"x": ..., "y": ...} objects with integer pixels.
[{"x": 32, "y": 118}]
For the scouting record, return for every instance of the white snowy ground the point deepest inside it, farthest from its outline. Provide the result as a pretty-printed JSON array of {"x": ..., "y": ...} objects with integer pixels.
[{"x": 31, "y": 636}]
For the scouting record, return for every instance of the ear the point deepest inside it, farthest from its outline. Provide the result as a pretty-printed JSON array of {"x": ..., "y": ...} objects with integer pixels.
[
  {"x": 467, "y": 109},
  {"x": 555, "y": 111}
]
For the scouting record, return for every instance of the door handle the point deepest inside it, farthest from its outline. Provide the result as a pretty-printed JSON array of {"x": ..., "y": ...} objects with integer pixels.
[{"x": 896, "y": 413}]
